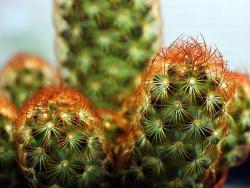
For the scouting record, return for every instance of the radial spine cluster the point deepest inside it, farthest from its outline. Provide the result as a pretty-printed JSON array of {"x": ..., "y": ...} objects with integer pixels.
[
  {"x": 60, "y": 140},
  {"x": 182, "y": 105}
]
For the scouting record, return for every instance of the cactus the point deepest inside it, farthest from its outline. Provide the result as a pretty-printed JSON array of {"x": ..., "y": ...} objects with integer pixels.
[
  {"x": 102, "y": 46},
  {"x": 114, "y": 123},
  {"x": 60, "y": 140},
  {"x": 119, "y": 133},
  {"x": 236, "y": 144},
  {"x": 182, "y": 109},
  {"x": 23, "y": 75},
  {"x": 9, "y": 176}
]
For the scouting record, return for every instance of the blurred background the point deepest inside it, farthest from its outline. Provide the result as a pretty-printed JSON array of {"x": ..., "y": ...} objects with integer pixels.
[{"x": 28, "y": 26}]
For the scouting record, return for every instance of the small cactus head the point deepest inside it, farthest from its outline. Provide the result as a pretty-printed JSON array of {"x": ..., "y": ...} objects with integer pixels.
[
  {"x": 60, "y": 140},
  {"x": 236, "y": 145},
  {"x": 183, "y": 104},
  {"x": 8, "y": 114},
  {"x": 25, "y": 74}
]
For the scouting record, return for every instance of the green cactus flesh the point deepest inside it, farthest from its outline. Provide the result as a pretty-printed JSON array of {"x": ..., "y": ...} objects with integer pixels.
[
  {"x": 9, "y": 174},
  {"x": 24, "y": 83},
  {"x": 60, "y": 141},
  {"x": 236, "y": 145},
  {"x": 104, "y": 45},
  {"x": 20, "y": 79},
  {"x": 7, "y": 153},
  {"x": 182, "y": 107}
]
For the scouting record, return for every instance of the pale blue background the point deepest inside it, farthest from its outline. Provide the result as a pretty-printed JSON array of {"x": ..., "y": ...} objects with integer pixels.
[{"x": 26, "y": 25}]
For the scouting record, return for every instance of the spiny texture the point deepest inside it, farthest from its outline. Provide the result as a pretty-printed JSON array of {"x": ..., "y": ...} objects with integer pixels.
[
  {"x": 23, "y": 75},
  {"x": 114, "y": 123},
  {"x": 102, "y": 46},
  {"x": 183, "y": 106},
  {"x": 119, "y": 132},
  {"x": 236, "y": 145},
  {"x": 60, "y": 140},
  {"x": 8, "y": 166}
]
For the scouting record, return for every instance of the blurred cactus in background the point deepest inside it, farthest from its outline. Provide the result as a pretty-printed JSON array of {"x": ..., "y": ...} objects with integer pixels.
[
  {"x": 102, "y": 46},
  {"x": 60, "y": 140},
  {"x": 8, "y": 166},
  {"x": 25, "y": 74},
  {"x": 187, "y": 123},
  {"x": 183, "y": 104},
  {"x": 236, "y": 147}
]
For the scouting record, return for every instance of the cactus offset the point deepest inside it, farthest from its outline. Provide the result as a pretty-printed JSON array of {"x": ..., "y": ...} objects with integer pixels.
[
  {"x": 102, "y": 46},
  {"x": 182, "y": 112},
  {"x": 114, "y": 123},
  {"x": 23, "y": 75},
  {"x": 118, "y": 131},
  {"x": 236, "y": 145},
  {"x": 60, "y": 140},
  {"x": 8, "y": 167}
]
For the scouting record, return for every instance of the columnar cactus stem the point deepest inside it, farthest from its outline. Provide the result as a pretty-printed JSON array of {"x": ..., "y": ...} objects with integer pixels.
[
  {"x": 102, "y": 46},
  {"x": 25, "y": 74},
  {"x": 60, "y": 140},
  {"x": 183, "y": 106}
]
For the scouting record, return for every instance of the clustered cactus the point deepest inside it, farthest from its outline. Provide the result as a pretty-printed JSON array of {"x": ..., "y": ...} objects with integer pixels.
[
  {"x": 236, "y": 145},
  {"x": 60, "y": 140},
  {"x": 183, "y": 104},
  {"x": 24, "y": 74},
  {"x": 102, "y": 46},
  {"x": 182, "y": 128},
  {"x": 8, "y": 173}
]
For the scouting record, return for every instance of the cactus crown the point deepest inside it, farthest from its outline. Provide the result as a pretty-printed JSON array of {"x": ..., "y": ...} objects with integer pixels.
[
  {"x": 103, "y": 45},
  {"x": 23, "y": 75},
  {"x": 60, "y": 140},
  {"x": 182, "y": 106},
  {"x": 8, "y": 113},
  {"x": 236, "y": 144}
]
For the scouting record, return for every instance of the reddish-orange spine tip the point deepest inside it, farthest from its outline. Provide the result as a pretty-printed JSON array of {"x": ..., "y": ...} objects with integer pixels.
[
  {"x": 8, "y": 109},
  {"x": 241, "y": 78},
  {"x": 61, "y": 96},
  {"x": 28, "y": 61},
  {"x": 199, "y": 56}
]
